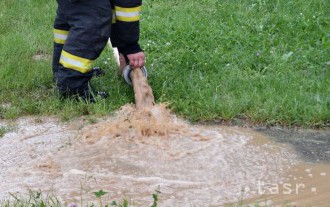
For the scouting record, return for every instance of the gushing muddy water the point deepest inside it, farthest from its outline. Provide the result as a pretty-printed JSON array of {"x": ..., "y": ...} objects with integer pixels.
[{"x": 192, "y": 165}]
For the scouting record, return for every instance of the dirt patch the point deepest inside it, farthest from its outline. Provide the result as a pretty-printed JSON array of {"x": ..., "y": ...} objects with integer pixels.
[
  {"x": 41, "y": 56},
  {"x": 310, "y": 145}
]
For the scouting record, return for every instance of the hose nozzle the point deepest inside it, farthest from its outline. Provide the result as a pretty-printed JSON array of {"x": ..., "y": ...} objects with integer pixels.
[{"x": 127, "y": 73}]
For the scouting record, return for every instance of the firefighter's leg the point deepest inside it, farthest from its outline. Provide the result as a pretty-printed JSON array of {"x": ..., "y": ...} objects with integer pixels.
[
  {"x": 61, "y": 31},
  {"x": 90, "y": 29}
]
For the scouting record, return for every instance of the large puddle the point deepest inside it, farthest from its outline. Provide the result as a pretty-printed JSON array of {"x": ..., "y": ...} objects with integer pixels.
[{"x": 191, "y": 165}]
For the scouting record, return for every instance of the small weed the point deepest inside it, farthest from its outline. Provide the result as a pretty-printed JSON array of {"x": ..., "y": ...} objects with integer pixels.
[
  {"x": 12, "y": 112},
  {"x": 5, "y": 129},
  {"x": 35, "y": 199},
  {"x": 99, "y": 194},
  {"x": 155, "y": 197},
  {"x": 2, "y": 131}
]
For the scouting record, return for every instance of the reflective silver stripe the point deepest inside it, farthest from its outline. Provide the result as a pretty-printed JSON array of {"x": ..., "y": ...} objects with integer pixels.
[
  {"x": 60, "y": 36},
  {"x": 127, "y": 14},
  {"x": 72, "y": 62}
]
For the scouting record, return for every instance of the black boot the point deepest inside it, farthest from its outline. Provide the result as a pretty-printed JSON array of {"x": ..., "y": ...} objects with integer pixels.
[
  {"x": 98, "y": 72},
  {"x": 74, "y": 84},
  {"x": 91, "y": 96}
]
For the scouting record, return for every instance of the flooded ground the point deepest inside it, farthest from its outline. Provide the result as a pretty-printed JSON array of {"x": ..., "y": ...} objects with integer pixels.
[
  {"x": 311, "y": 145},
  {"x": 192, "y": 165},
  {"x": 307, "y": 184}
]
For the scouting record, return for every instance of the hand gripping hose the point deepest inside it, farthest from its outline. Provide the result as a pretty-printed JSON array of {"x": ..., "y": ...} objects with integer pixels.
[{"x": 127, "y": 73}]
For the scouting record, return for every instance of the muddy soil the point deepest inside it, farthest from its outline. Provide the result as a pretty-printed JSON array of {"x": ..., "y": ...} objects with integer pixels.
[{"x": 311, "y": 145}]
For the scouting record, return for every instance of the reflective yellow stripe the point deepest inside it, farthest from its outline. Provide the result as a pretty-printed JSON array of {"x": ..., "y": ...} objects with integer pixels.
[
  {"x": 59, "y": 41},
  {"x": 133, "y": 9},
  {"x": 80, "y": 64},
  {"x": 128, "y": 14},
  {"x": 63, "y": 32},
  {"x": 60, "y": 36},
  {"x": 128, "y": 19}
]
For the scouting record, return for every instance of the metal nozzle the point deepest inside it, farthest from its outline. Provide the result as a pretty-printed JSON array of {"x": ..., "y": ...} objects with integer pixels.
[{"x": 127, "y": 73}]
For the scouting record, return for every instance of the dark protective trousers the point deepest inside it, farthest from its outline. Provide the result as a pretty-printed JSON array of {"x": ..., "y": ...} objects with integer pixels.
[{"x": 81, "y": 31}]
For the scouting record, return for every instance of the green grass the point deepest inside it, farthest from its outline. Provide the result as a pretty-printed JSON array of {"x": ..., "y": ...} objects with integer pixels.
[
  {"x": 3, "y": 131},
  {"x": 267, "y": 61},
  {"x": 38, "y": 199}
]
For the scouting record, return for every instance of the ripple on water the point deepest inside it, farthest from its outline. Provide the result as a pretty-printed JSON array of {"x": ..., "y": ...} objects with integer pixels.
[{"x": 126, "y": 156}]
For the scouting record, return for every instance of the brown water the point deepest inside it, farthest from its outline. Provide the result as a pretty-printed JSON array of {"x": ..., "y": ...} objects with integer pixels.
[
  {"x": 144, "y": 148},
  {"x": 127, "y": 156},
  {"x": 144, "y": 97},
  {"x": 306, "y": 184}
]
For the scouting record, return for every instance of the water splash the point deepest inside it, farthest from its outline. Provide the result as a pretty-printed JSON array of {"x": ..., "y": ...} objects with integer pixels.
[{"x": 128, "y": 156}]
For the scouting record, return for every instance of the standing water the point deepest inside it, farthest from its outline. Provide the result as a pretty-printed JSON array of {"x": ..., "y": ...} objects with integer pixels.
[
  {"x": 192, "y": 165},
  {"x": 135, "y": 152}
]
